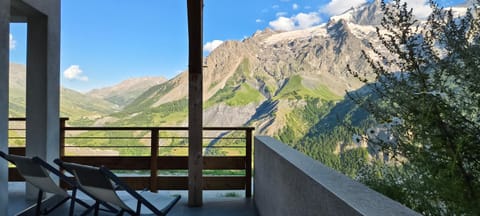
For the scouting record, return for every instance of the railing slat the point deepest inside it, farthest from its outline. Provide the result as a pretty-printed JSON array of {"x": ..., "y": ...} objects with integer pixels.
[{"x": 17, "y": 150}]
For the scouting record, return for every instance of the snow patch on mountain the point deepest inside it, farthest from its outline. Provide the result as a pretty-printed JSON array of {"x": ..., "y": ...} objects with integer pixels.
[
  {"x": 317, "y": 31},
  {"x": 362, "y": 31}
]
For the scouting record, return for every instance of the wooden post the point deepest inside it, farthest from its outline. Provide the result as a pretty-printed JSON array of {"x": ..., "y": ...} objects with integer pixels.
[
  {"x": 195, "y": 98},
  {"x": 63, "y": 124},
  {"x": 153, "y": 159},
  {"x": 248, "y": 163}
]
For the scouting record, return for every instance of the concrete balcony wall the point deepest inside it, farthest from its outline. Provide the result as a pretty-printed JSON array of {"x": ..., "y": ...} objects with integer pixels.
[
  {"x": 287, "y": 182},
  {"x": 4, "y": 62}
]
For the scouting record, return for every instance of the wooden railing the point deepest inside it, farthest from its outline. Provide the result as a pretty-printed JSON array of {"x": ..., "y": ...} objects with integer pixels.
[{"x": 149, "y": 164}]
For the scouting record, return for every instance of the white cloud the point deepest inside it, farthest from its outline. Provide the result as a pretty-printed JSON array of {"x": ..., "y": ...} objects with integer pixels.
[
  {"x": 299, "y": 21},
  {"x": 275, "y": 7},
  {"x": 336, "y": 7},
  {"x": 295, "y": 6},
  {"x": 421, "y": 9},
  {"x": 283, "y": 24},
  {"x": 307, "y": 20},
  {"x": 74, "y": 73},
  {"x": 258, "y": 20},
  {"x": 13, "y": 42},
  {"x": 210, "y": 46},
  {"x": 282, "y": 13}
]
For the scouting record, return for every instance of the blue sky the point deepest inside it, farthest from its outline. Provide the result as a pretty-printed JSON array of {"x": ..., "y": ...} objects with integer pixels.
[{"x": 106, "y": 41}]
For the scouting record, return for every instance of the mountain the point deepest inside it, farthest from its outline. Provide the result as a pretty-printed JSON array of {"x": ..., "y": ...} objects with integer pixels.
[
  {"x": 80, "y": 108},
  {"x": 366, "y": 14},
  {"x": 282, "y": 83},
  {"x": 290, "y": 85},
  {"x": 125, "y": 92}
]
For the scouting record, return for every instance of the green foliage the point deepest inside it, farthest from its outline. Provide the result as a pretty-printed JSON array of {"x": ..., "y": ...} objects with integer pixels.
[
  {"x": 402, "y": 183},
  {"x": 124, "y": 142},
  {"x": 16, "y": 102},
  {"x": 353, "y": 160},
  {"x": 74, "y": 104},
  {"x": 327, "y": 146},
  {"x": 236, "y": 96},
  {"x": 16, "y": 138},
  {"x": 300, "y": 120},
  {"x": 294, "y": 89},
  {"x": 428, "y": 76},
  {"x": 82, "y": 121},
  {"x": 145, "y": 100},
  {"x": 244, "y": 95},
  {"x": 168, "y": 113}
]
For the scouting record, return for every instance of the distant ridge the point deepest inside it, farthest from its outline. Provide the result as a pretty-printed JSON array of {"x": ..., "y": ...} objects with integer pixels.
[
  {"x": 125, "y": 92},
  {"x": 73, "y": 104}
]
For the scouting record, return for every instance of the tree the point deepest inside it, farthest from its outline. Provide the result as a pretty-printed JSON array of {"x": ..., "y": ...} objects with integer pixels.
[{"x": 427, "y": 73}]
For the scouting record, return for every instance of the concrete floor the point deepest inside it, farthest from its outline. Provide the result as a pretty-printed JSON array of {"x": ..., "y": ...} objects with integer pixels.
[{"x": 215, "y": 203}]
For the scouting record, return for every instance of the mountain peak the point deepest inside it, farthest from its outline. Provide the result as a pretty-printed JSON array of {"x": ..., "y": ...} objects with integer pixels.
[
  {"x": 367, "y": 14},
  {"x": 263, "y": 33}
]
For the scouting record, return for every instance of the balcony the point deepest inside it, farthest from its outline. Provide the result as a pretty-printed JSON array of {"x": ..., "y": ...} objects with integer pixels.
[{"x": 286, "y": 182}]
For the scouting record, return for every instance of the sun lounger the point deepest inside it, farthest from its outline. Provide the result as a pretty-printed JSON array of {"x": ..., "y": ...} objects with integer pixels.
[
  {"x": 37, "y": 172},
  {"x": 102, "y": 184}
]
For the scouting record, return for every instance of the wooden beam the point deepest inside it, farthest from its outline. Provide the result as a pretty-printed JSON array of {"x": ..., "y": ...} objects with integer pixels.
[
  {"x": 163, "y": 162},
  {"x": 195, "y": 98}
]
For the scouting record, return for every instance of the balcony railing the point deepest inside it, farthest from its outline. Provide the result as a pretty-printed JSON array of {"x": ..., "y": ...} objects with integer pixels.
[{"x": 153, "y": 158}]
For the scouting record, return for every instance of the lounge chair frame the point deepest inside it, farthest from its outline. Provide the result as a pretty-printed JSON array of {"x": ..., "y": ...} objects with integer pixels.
[
  {"x": 102, "y": 184},
  {"x": 37, "y": 172}
]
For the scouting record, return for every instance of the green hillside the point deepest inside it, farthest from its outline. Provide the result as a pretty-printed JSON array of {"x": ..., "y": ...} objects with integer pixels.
[
  {"x": 74, "y": 105},
  {"x": 300, "y": 121},
  {"x": 172, "y": 113},
  {"x": 236, "y": 96},
  {"x": 149, "y": 97},
  {"x": 77, "y": 106},
  {"x": 17, "y": 103},
  {"x": 294, "y": 89}
]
